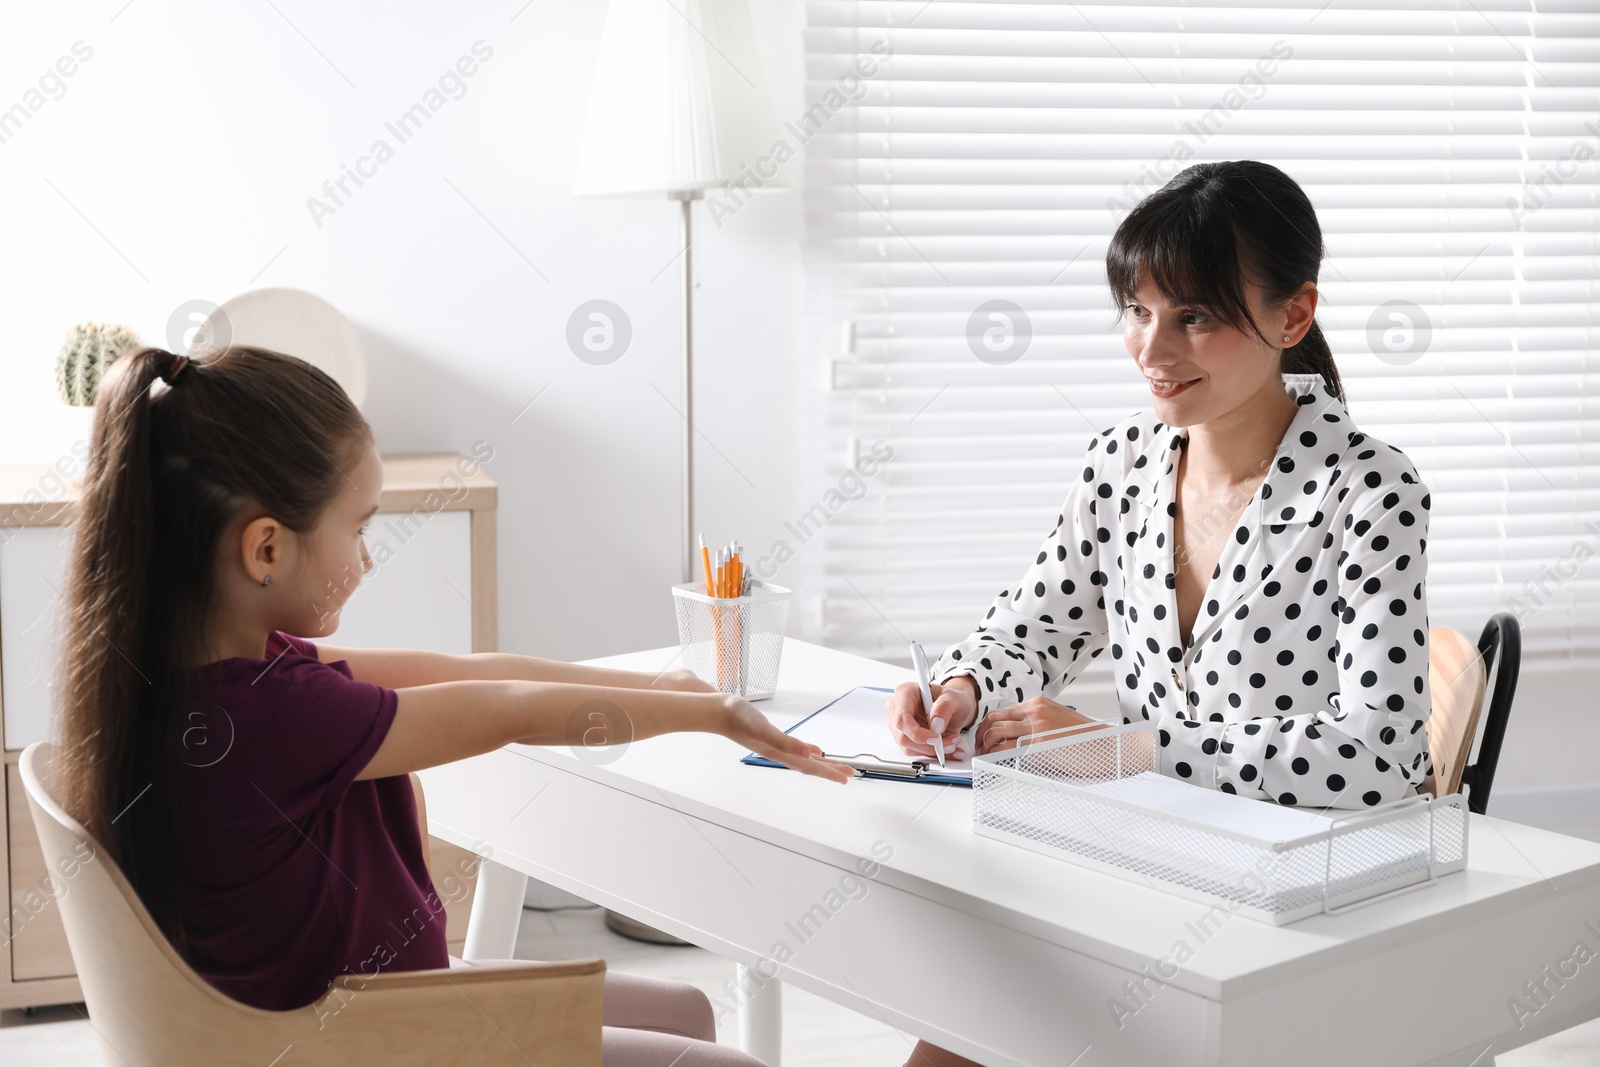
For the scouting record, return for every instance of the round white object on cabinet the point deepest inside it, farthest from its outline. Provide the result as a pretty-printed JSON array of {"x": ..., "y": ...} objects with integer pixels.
[{"x": 296, "y": 323}]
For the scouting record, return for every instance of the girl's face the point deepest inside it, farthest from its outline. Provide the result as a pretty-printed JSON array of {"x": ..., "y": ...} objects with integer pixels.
[
  {"x": 333, "y": 557},
  {"x": 1214, "y": 367}
]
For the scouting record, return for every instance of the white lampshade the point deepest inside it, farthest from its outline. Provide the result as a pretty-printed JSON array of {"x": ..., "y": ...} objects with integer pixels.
[{"x": 680, "y": 100}]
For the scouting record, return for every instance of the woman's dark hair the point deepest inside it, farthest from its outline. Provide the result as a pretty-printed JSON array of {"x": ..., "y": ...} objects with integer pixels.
[
  {"x": 1211, "y": 228},
  {"x": 168, "y": 470}
]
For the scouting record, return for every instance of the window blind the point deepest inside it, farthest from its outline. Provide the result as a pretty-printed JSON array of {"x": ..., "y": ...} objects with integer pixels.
[{"x": 986, "y": 151}]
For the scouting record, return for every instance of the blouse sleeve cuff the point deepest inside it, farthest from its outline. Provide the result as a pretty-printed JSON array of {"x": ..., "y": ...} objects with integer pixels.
[
  {"x": 940, "y": 675},
  {"x": 1188, "y": 749}
]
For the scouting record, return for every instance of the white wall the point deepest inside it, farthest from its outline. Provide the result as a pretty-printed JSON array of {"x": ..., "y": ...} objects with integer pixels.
[{"x": 177, "y": 165}]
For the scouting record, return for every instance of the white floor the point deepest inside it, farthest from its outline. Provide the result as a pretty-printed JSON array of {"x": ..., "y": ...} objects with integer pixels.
[{"x": 817, "y": 1033}]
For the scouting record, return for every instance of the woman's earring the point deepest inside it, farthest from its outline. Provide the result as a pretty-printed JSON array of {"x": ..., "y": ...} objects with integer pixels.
[
  {"x": 267, "y": 580},
  {"x": 1285, "y": 340}
]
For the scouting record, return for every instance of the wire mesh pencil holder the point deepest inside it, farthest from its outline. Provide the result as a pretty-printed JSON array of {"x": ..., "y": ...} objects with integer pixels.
[{"x": 734, "y": 643}]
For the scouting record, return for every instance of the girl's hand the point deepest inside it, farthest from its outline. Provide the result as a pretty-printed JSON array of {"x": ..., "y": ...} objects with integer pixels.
[
  {"x": 750, "y": 728},
  {"x": 682, "y": 680},
  {"x": 1002, "y": 727},
  {"x": 955, "y": 705}
]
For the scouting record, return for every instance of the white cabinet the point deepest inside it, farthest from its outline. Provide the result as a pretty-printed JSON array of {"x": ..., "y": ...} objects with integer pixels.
[{"x": 33, "y": 567}]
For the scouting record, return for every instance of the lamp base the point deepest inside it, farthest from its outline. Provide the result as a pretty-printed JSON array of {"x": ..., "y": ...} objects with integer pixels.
[{"x": 618, "y": 923}]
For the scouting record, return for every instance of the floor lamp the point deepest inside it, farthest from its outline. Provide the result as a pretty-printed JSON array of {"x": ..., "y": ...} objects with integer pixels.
[{"x": 679, "y": 106}]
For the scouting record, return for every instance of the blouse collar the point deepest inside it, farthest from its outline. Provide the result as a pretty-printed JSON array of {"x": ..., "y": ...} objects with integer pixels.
[
  {"x": 1303, "y": 468},
  {"x": 1300, "y": 473}
]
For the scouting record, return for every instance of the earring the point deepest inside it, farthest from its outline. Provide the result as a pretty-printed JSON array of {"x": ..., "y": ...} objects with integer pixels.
[
  {"x": 1285, "y": 340},
  {"x": 267, "y": 580}
]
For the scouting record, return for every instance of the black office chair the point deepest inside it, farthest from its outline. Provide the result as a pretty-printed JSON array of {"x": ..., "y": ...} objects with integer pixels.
[
  {"x": 1502, "y": 636},
  {"x": 1458, "y": 679},
  {"x": 1458, "y": 675}
]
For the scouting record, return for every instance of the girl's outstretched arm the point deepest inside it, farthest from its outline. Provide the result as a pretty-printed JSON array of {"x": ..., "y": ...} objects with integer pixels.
[
  {"x": 401, "y": 668},
  {"x": 447, "y": 721}
]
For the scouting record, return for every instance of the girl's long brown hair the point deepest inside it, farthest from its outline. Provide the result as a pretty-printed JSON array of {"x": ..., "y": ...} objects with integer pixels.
[{"x": 169, "y": 468}]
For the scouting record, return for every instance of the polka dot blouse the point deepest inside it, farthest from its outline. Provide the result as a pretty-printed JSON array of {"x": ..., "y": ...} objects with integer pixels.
[{"x": 1305, "y": 679}]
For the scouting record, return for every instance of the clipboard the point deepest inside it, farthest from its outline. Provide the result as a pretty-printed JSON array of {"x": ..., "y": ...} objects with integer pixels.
[{"x": 855, "y": 720}]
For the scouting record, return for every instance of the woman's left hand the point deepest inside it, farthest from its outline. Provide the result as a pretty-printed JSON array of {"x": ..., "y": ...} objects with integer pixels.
[{"x": 1002, "y": 727}]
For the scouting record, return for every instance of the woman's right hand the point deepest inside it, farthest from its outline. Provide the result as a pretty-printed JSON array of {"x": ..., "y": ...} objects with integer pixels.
[
  {"x": 752, "y": 729},
  {"x": 955, "y": 707}
]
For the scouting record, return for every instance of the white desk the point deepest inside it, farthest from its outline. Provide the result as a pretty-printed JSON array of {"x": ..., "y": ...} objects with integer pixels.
[{"x": 1033, "y": 951}]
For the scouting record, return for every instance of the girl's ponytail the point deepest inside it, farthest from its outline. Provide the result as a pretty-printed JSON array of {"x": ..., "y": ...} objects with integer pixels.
[
  {"x": 107, "y": 667},
  {"x": 170, "y": 466}
]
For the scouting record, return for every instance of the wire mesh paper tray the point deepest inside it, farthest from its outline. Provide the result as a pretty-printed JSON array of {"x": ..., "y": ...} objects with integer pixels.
[{"x": 1058, "y": 795}]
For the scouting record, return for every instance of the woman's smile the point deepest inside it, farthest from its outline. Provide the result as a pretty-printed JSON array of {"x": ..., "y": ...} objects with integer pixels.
[{"x": 1167, "y": 387}]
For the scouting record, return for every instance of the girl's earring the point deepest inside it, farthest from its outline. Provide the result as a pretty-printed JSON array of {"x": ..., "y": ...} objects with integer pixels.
[{"x": 267, "y": 580}]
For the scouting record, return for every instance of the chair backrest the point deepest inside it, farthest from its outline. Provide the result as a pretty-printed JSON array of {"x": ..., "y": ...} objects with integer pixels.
[
  {"x": 149, "y": 1007},
  {"x": 1500, "y": 644},
  {"x": 1457, "y": 679},
  {"x": 146, "y": 1003}
]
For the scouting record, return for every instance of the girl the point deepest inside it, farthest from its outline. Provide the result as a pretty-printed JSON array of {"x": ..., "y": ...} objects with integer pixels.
[
  {"x": 1254, "y": 562},
  {"x": 248, "y": 780}
]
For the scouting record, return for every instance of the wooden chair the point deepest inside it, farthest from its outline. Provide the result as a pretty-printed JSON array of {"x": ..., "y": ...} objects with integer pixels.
[
  {"x": 150, "y": 1009},
  {"x": 1457, "y": 677}
]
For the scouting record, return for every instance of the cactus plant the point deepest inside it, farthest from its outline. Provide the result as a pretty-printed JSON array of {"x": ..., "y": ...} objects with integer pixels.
[{"x": 89, "y": 349}]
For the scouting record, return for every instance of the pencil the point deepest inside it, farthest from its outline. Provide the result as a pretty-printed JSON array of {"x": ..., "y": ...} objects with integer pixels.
[
  {"x": 714, "y": 591},
  {"x": 705, "y": 563}
]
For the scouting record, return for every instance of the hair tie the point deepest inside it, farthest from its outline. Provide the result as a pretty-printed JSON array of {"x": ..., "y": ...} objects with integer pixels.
[{"x": 176, "y": 368}]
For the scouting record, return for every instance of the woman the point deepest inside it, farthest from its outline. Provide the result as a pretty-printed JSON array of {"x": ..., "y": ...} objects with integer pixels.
[{"x": 1254, "y": 562}]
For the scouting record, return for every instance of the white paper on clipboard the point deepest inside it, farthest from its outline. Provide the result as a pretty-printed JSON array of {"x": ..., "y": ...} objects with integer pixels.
[{"x": 857, "y": 725}]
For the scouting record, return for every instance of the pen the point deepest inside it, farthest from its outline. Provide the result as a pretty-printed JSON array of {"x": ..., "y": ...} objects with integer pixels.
[{"x": 920, "y": 663}]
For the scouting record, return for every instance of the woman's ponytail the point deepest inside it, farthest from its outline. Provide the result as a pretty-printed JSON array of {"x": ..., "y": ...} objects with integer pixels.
[{"x": 1313, "y": 356}]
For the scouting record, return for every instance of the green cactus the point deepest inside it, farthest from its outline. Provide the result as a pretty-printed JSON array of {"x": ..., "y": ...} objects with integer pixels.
[{"x": 89, "y": 349}]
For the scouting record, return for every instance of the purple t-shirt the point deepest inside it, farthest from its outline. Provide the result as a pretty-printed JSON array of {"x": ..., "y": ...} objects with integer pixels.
[{"x": 293, "y": 872}]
